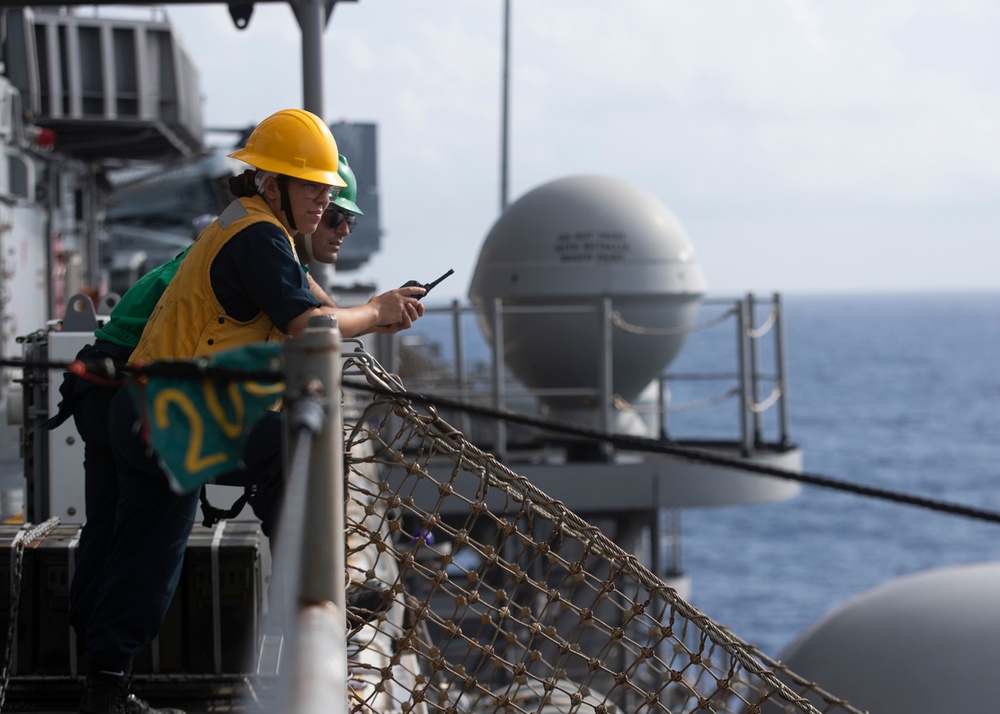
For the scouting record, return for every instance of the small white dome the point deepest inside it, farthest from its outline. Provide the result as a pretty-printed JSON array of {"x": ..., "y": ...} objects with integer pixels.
[{"x": 927, "y": 643}]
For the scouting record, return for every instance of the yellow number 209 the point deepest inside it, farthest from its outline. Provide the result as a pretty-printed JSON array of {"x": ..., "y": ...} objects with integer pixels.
[{"x": 194, "y": 460}]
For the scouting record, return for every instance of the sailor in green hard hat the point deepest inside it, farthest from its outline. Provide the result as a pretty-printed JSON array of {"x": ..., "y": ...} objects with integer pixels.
[{"x": 338, "y": 221}]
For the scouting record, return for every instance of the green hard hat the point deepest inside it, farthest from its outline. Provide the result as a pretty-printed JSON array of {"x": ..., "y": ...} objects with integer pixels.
[{"x": 349, "y": 193}]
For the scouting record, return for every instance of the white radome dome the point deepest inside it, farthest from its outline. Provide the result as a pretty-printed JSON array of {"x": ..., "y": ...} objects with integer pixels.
[
  {"x": 578, "y": 240},
  {"x": 922, "y": 644}
]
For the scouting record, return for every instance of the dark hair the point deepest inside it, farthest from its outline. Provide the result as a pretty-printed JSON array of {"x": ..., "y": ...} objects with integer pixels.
[{"x": 242, "y": 185}]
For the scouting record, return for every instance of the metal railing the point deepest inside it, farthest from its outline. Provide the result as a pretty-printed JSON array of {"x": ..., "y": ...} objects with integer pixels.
[
  {"x": 749, "y": 380},
  {"x": 308, "y": 588},
  {"x": 460, "y": 364}
]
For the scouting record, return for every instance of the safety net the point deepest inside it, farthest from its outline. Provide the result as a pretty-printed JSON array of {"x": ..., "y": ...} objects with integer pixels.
[{"x": 473, "y": 591}]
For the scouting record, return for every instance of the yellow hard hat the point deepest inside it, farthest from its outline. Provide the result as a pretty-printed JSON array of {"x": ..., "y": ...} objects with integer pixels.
[{"x": 295, "y": 143}]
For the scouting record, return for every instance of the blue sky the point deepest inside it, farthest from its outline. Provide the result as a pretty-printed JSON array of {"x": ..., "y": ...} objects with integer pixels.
[{"x": 805, "y": 146}]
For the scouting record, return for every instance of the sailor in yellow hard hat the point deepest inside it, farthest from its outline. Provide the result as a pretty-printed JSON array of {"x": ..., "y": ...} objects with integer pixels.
[{"x": 239, "y": 283}]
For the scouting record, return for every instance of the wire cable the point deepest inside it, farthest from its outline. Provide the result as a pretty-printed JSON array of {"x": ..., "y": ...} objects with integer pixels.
[{"x": 200, "y": 370}]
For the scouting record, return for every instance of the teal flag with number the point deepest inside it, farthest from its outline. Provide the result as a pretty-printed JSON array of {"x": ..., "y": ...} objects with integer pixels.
[{"x": 197, "y": 426}]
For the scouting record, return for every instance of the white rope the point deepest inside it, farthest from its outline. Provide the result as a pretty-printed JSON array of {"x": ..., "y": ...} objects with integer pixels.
[
  {"x": 758, "y": 332},
  {"x": 761, "y": 407},
  {"x": 622, "y": 324}
]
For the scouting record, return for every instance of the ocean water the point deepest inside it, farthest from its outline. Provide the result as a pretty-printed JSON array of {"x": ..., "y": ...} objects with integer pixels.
[
  {"x": 896, "y": 391},
  {"x": 900, "y": 392}
]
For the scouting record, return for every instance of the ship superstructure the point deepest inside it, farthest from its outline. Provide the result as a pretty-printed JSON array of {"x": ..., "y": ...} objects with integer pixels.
[{"x": 80, "y": 96}]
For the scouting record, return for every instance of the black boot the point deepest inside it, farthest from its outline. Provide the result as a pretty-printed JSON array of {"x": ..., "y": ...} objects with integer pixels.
[
  {"x": 108, "y": 694},
  {"x": 134, "y": 705},
  {"x": 105, "y": 695},
  {"x": 366, "y": 601}
]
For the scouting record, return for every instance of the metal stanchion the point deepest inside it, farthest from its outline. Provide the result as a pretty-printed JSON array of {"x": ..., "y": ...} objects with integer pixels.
[{"x": 310, "y": 556}]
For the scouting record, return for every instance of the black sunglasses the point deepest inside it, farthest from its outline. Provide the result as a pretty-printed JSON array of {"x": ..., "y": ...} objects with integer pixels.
[{"x": 337, "y": 215}]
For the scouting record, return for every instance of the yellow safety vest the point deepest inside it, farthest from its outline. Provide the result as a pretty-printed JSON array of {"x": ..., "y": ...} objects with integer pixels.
[{"x": 188, "y": 321}]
